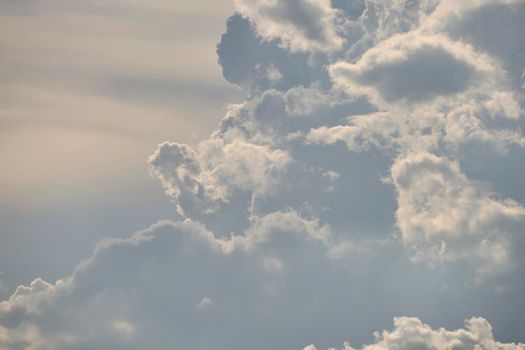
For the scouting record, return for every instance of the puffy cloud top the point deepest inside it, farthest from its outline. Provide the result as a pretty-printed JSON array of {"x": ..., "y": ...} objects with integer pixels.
[
  {"x": 444, "y": 216},
  {"x": 301, "y": 25},
  {"x": 199, "y": 180},
  {"x": 413, "y": 67},
  {"x": 411, "y": 333}
]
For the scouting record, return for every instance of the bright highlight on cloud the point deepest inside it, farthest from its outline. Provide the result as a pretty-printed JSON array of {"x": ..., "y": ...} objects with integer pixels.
[
  {"x": 411, "y": 66},
  {"x": 202, "y": 179},
  {"x": 411, "y": 333},
  {"x": 360, "y": 180},
  {"x": 443, "y": 216},
  {"x": 300, "y": 25}
]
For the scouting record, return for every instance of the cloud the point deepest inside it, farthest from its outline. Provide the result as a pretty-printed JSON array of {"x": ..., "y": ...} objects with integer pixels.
[
  {"x": 484, "y": 26},
  {"x": 444, "y": 217},
  {"x": 411, "y": 333},
  {"x": 412, "y": 67},
  {"x": 429, "y": 94},
  {"x": 255, "y": 63},
  {"x": 300, "y": 25},
  {"x": 140, "y": 290},
  {"x": 199, "y": 180},
  {"x": 205, "y": 303},
  {"x": 346, "y": 186},
  {"x": 441, "y": 101},
  {"x": 444, "y": 127},
  {"x": 177, "y": 284}
]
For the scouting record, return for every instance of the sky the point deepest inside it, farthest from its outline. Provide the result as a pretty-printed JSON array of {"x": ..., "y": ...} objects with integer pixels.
[
  {"x": 89, "y": 89},
  {"x": 263, "y": 174}
]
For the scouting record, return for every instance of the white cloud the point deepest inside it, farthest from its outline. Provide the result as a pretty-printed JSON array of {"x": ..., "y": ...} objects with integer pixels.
[
  {"x": 411, "y": 67},
  {"x": 436, "y": 95},
  {"x": 362, "y": 132},
  {"x": 200, "y": 179},
  {"x": 301, "y": 25},
  {"x": 444, "y": 126},
  {"x": 310, "y": 347},
  {"x": 205, "y": 303},
  {"x": 443, "y": 216},
  {"x": 411, "y": 333}
]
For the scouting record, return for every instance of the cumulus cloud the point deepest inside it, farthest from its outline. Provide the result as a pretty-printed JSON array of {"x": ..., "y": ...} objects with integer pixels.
[
  {"x": 437, "y": 95},
  {"x": 413, "y": 67},
  {"x": 427, "y": 91},
  {"x": 285, "y": 227},
  {"x": 177, "y": 284},
  {"x": 506, "y": 19},
  {"x": 444, "y": 217},
  {"x": 252, "y": 62},
  {"x": 300, "y": 25},
  {"x": 444, "y": 127},
  {"x": 154, "y": 288},
  {"x": 411, "y": 333},
  {"x": 199, "y": 180}
]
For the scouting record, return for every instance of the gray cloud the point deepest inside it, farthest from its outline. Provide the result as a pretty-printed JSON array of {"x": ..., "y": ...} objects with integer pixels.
[
  {"x": 138, "y": 291},
  {"x": 279, "y": 274},
  {"x": 253, "y": 62},
  {"x": 412, "y": 67},
  {"x": 485, "y": 27}
]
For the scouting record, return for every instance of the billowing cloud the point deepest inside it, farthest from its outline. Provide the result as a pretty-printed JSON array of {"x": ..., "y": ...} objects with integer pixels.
[
  {"x": 484, "y": 26},
  {"x": 411, "y": 333},
  {"x": 199, "y": 180},
  {"x": 444, "y": 217},
  {"x": 413, "y": 67},
  {"x": 300, "y": 24},
  {"x": 177, "y": 284},
  {"x": 139, "y": 291},
  {"x": 438, "y": 95},
  {"x": 352, "y": 178},
  {"x": 252, "y": 62}
]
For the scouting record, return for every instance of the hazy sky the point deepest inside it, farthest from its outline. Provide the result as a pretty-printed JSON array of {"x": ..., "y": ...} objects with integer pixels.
[
  {"x": 89, "y": 89},
  {"x": 263, "y": 174}
]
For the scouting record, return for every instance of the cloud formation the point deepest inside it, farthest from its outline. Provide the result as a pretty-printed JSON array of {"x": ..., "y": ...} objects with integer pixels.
[
  {"x": 412, "y": 67},
  {"x": 117, "y": 297},
  {"x": 443, "y": 216},
  {"x": 300, "y": 25},
  {"x": 411, "y": 333},
  {"x": 198, "y": 180},
  {"x": 350, "y": 185}
]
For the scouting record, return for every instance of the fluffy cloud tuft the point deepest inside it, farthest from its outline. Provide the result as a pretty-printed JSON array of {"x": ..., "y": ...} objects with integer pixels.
[
  {"x": 444, "y": 217},
  {"x": 411, "y": 333},
  {"x": 301, "y": 25},
  {"x": 199, "y": 180},
  {"x": 413, "y": 67}
]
